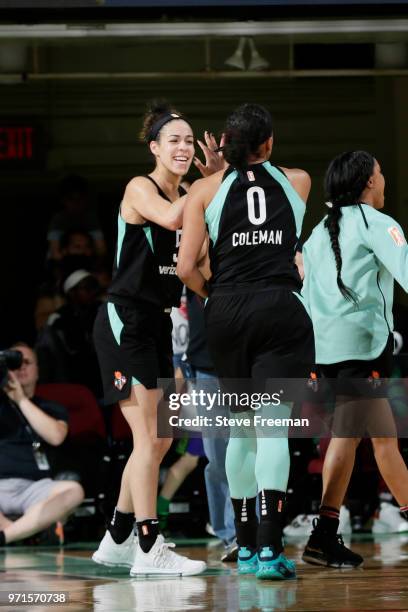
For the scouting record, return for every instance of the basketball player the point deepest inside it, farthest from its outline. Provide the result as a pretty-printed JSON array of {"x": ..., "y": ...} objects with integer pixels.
[
  {"x": 133, "y": 337},
  {"x": 257, "y": 325},
  {"x": 350, "y": 261}
]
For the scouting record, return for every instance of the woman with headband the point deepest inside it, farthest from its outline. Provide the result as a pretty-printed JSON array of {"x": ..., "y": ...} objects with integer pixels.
[{"x": 133, "y": 336}]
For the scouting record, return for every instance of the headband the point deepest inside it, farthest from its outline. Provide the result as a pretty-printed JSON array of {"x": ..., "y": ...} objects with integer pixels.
[{"x": 160, "y": 123}]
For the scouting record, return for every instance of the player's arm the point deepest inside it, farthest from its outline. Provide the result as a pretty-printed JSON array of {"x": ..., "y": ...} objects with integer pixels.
[
  {"x": 386, "y": 239},
  {"x": 203, "y": 262},
  {"x": 192, "y": 239},
  {"x": 142, "y": 200},
  {"x": 299, "y": 264},
  {"x": 300, "y": 180}
]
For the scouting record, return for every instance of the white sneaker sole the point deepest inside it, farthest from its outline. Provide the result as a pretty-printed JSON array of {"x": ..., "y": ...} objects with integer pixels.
[
  {"x": 154, "y": 570},
  {"x": 101, "y": 561}
]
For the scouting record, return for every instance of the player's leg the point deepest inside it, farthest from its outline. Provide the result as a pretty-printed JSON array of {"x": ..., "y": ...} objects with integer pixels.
[
  {"x": 240, "y": 470},
  {"x": 272, "y": 475},
  {"x": 386, "y": 451},
  {"x": 153, "y": 555},
  {"x": 228, "y": 346}
]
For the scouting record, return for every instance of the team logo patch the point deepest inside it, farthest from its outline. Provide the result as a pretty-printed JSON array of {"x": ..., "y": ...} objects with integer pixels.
[
  {"x": 250, "y": 175},
  {"x": 119, "y": 380},
  {"x": 396, "y": 235}
]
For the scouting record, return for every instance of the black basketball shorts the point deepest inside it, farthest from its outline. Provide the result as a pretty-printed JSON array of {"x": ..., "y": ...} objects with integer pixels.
[
  {"x": 260, "y": 335},
  {"x": 134, "y": 346},
  {"x": 361, "y": 378}
]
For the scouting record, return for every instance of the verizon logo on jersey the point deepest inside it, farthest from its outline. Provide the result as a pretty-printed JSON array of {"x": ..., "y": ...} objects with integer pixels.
[
  {"x": 167, "y": 270},
  {"x": 257, "y": 237}
]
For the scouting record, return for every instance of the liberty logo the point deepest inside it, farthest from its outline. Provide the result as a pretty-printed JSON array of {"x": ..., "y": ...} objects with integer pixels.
[
  {"x": 396, "y": 235},
  {"x": 119, "y": 380}
]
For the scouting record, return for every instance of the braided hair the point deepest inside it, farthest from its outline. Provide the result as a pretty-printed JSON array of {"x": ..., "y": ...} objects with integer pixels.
[
  {"x": 345, "y": 181},
  {"x": 247, "y": 128}
]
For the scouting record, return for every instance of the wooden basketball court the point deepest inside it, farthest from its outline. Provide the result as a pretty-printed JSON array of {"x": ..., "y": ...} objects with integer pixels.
[{"x": 381, "y": 585}]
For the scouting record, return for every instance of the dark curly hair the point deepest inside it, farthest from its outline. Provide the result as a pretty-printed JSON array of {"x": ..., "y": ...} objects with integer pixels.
[
  {"x": 156, "y": 109},
  {"x": 246, "y": 129}
]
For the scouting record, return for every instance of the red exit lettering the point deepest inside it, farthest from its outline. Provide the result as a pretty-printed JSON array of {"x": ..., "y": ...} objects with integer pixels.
[{"x": 16, "y": 143}]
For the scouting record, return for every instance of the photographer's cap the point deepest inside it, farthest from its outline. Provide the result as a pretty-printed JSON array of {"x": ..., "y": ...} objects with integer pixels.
[{"x": 73, "y": 279}]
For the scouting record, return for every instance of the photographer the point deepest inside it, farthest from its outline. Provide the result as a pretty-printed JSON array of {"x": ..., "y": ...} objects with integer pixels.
[{"x": 27, "y": 425}]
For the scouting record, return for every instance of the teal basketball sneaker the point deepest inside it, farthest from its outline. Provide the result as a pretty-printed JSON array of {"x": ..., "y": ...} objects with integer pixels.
[
  {"x": 278, "y": 568},
  {"x": 247, "y": 561}
]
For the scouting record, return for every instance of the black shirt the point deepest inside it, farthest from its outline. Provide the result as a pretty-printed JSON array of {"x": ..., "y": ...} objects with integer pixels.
[
  {"x": 16, "y": 438},
  {"x": 144, "y": 269},
  {"x": 254, "y": 223}
]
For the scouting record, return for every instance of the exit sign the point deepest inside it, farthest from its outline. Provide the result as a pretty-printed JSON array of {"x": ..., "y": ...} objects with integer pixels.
[{"x": 21, "y": 145}]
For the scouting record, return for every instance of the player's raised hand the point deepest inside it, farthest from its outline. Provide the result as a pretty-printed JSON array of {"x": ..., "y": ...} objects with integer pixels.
[{"x": 214, "y": 159}]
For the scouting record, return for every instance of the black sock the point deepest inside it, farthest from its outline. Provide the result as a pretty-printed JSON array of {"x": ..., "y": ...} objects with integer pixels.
[
  {"x": 147, "y": 530},
  {"x": 121, "y": 525},
  {"x": 246, "y": 521},
  {"x": 2, "y": 538},
  {"x": 271, "y": 504},
  {"x": 328, "y": 520}
]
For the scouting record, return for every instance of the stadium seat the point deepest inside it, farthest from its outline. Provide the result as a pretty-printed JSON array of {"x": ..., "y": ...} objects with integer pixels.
[
  {"x": 84, "y": 455},
  {"x": 85, "y": 417}
]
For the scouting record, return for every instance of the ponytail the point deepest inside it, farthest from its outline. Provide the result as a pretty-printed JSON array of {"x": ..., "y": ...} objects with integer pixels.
[
  {"x": 345, "y": 181},
  {"x": 333, "y": 227}
]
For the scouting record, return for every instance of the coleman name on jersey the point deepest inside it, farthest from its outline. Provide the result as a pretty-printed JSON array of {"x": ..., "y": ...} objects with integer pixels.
[{"x": 257, "y": 237}]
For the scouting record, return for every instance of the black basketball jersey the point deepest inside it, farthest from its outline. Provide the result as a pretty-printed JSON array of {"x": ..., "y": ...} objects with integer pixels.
[
  {"x": 254, "y": 222},
  {"x": 144, "y": 269}
]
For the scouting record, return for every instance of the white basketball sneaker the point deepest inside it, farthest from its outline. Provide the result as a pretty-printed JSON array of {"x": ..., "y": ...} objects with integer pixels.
[
  {"x": 389, "y": 520},
  {"x": 344, "y": 521},
  {"x": 116, "y": 555},
  {"x": 164, "y": 593},
  {"x": 302, "y": 525},
  {"x": 161, "y": 560}
]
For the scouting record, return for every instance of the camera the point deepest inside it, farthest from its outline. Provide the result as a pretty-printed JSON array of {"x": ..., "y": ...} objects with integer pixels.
[{"x": 9, "y": 360}]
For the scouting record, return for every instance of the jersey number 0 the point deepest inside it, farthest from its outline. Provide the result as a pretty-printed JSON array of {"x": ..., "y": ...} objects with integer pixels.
[{"x": 252, "y": 212}]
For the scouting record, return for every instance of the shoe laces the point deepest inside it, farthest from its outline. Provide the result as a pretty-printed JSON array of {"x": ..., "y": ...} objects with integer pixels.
[
  {"x": 338, "y": 538},
  {"x": 164, "y": 557}
]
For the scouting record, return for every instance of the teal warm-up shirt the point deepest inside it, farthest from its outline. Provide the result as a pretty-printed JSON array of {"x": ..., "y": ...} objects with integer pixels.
[{"x": 372, "y": 257}]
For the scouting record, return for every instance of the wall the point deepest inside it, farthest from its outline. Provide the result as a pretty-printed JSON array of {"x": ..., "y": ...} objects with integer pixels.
[{"x": 92, "y": 127}]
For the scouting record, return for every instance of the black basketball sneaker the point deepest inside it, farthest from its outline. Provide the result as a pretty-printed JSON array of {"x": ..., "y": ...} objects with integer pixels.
[{"x": 328, "y": 549}]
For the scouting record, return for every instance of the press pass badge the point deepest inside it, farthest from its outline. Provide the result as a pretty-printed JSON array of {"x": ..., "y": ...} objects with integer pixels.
[{"x": 40, "y": 457}]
